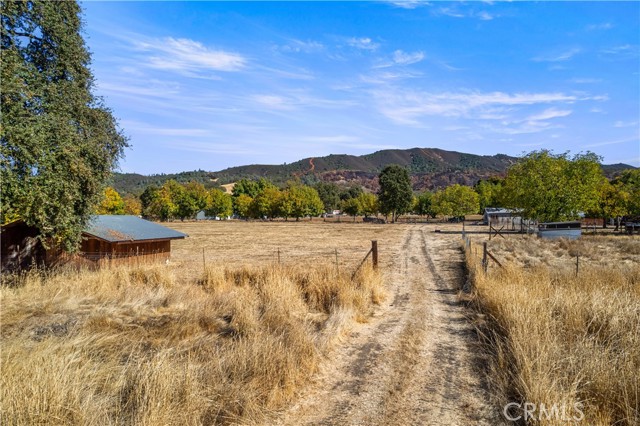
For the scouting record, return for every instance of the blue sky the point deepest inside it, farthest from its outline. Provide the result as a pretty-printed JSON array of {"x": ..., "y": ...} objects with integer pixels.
[{"x": 210, "y": 85}]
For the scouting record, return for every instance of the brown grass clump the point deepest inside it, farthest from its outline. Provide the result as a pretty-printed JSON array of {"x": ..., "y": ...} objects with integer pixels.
[
  {"x": 132, "y": 346},
  {"x": 561, "y": 339}
]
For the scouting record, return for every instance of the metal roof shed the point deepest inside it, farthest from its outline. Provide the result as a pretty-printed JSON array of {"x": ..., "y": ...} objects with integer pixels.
[{"x": 120, "y": 238}]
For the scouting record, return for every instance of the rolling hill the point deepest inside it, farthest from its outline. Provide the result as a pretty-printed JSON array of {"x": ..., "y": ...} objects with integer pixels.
[{"x": 430, "y": 168}]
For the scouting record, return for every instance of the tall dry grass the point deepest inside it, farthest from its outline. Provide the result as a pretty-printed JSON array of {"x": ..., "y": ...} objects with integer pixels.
[
  {"x": 559, "y": 339},
  {"x": 134, "y": 346}
]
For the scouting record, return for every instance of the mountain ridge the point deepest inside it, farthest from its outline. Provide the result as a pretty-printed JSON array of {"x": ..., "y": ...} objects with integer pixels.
[{"x": 430, "y": 168}]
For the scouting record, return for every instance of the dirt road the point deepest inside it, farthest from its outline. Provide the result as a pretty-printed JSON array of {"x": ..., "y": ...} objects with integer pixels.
[{"x": 414, "y": 363}]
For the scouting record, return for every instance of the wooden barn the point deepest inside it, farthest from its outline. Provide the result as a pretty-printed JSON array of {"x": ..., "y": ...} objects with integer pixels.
[
  {"x": 112, "y": 239},
  {"x": 122, "y": 239}
]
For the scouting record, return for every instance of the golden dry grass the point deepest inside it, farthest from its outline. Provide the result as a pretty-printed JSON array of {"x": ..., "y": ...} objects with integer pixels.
[
  {"x": 238, "y": 243},
  {"x": 179, "y": 344},
  {"x": 561, "y": 339}
]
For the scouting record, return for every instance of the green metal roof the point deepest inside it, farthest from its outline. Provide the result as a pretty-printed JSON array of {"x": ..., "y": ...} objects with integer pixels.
[{"x": 121, "y": 228}]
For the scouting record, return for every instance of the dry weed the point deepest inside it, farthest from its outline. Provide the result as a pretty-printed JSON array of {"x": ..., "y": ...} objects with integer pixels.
[
  {"x": 131, "y": 346},
  {"x": 561, "y": 338}
]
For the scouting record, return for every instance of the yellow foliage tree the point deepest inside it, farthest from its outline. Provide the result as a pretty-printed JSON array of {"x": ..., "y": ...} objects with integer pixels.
[{"x": 111, "y": 203}]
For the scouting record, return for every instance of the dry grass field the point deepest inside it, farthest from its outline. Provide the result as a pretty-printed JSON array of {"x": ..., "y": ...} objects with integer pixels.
[
  {"x": 559, "y": 339},
  {"x": 229, "y": 343},
  {"x": 239, "y": 243}
]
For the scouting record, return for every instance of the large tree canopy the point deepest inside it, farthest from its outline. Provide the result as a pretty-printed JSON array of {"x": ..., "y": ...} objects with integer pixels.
[
  {"x": 552, "y": 187},
  {"x": 58, "y": 143},
  {"x": 395, "y": 196}
]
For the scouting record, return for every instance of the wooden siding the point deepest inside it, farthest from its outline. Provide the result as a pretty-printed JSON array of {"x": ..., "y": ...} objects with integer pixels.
[{"x": 104, "y": 252}]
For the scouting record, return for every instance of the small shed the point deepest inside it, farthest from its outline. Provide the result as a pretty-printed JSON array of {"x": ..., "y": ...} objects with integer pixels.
[
  {"x": 569, "y": 230},
  {"x": 108, "y": 238},
  {"x": 119, "y": 238},
  {"x": 508, "y": 219}
]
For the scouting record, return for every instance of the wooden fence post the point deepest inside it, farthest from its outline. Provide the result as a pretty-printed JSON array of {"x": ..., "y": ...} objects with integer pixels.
[
  {"x": 204, "y": 262},
  {"x": 485, "y": 262},
  {"x": 374, "y": 253},
  {"x": 577, "y": 264},
  {"x": 337, "y": 266}
]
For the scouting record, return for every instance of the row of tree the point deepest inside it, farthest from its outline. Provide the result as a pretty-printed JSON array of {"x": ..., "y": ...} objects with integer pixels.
[{"x": 542, "y": 186}]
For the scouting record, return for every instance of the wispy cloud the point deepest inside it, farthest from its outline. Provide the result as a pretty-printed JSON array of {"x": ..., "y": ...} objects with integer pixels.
[
  {"x": 625, "y": 124},
  {"x": 625, "y": 51},
  {"x": 364, "y": 43},
  {"x": 485, "y": 16},
  {"x": 405, "y": 58},
  {"x": 558, "y": 57},
  {"x": 585, "y": 80},
  {"x": 298, "y": 46},
  {"x": 613, "y": 142},
  {"x": 601, "y": 26},
  {"x": 188, "y": 56},
  {"x": 401, "y": 58},
  {"x": 408, "y": 106},
  {"x": 409, "y": 4},
  {"x": 548, "y": 114},
  {"x": 458, "y": 12}
]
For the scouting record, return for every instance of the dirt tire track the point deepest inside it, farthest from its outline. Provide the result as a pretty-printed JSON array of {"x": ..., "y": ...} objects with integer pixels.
[{"x": 416, "y": 361}]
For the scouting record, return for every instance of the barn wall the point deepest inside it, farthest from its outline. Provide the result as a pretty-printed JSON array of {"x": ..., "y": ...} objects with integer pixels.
[
  {"x": 106, "y": 253},
  {"x": 19, "y": 247}
]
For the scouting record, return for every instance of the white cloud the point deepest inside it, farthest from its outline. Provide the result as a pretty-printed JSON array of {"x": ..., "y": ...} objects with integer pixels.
[
  {"x": 485, "y": 16},
  {"x": 401, "y": 58},
  {"x": 613, "y": 142},
  {"x": 404, "y": 58},
  {"x": 274, "y": 102},
  {"x": 447, "y": 11},
  {"x": 558, "y": 57},
  {"x": 585, "y": 80},
  {"x": 602, "y": 26},
  {"x": 408, "y": 106},
  {"x": 409, "y": 4},
  {"x": 298, "y": 46},
  {"x": 548, "y": 114},
  {"x": 625, "y": 124},
  {"x": 624, "y": 51},
  {"x": 364, "y": 43},
  {"x": 188, "y": 56}
]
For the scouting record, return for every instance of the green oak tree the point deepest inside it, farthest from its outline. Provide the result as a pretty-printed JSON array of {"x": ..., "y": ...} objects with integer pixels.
[
  {"x": 219, "y": 204},
  {"x": 352, "y": 207},
  {"x": 456, "y": 201},
  {"x": 368, "y": 204},
  {"x": 553, "y": 187},
  {"x": 58, "y": 142},
  {"x": 395, "y": 195},
  {"x": 424, "y": 205}
]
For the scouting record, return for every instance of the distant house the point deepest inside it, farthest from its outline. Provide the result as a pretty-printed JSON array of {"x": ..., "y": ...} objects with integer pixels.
[{"x": 112, "y": 239}]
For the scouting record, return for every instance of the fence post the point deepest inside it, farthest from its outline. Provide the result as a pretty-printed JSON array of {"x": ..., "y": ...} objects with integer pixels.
[
  {"x": 337, "y": 266},
  {"x": 485, "y": 263},
  {"x": 204, "y": 262},
  {"x": 374, "y": 253},
  {"x": 577, "y": 264},
  {"x": 278, "y": 255}
]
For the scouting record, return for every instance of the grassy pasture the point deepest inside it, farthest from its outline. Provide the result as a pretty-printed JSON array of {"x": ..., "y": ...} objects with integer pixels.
[{"x": 180, "y": 343}]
